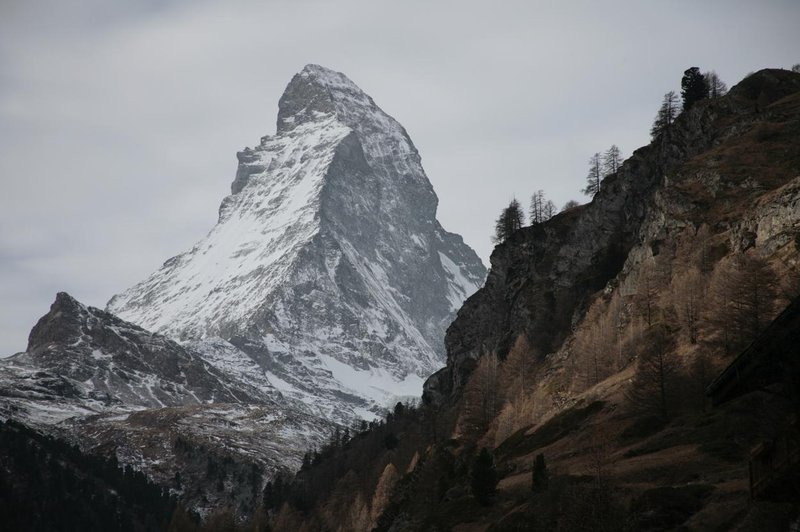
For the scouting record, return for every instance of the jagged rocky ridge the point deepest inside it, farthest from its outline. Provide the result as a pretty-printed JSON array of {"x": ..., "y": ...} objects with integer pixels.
[
  {"x": 91, "y": 355},
  {"x": 119, "y": 390},
  {"x": 321, "y": 296}
]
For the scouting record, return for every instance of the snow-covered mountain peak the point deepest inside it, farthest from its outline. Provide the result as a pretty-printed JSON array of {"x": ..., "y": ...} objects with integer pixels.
[
  {"x": 327, "y": 265},
  {"x": 316, "y": 91},
  {"x": 320, "y": 296}
]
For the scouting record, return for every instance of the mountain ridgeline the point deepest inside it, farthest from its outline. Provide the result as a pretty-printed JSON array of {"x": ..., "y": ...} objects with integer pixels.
[
  {"x": 584, "y": 363},
  {"x": 318, "y": 300},
  {"x": 327, "y": 265}
]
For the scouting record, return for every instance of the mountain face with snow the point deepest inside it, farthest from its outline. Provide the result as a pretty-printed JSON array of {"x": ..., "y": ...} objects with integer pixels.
[
  {"x": 160, "y": 407},
  {"x": 321, "y": 296},
  {"x": 94, "y": 356},
  {"x": 327, "y": 268}
]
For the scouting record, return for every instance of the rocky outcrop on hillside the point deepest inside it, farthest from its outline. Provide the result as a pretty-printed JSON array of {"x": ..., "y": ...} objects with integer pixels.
[
  {"x": 542, "y": 278},
  {"x": 121, "y": 391},
  {"x": 87, "y": 356}
]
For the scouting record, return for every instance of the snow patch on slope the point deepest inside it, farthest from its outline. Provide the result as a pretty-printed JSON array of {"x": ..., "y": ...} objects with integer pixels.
[
  {"x": 251, "y": 250},
  {"x": 460, "y": 286}
]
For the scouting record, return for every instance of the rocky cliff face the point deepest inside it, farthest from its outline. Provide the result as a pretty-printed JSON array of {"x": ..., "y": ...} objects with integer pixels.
[
  {"x": 83, "y": 357},
  {"x": 550, "y": 360},
  {"x": 327, "y": 266},
  {"x": 542, "y": 279}
]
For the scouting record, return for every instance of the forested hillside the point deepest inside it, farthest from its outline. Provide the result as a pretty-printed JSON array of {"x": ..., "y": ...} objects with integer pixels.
[
  {"x": 575, "y": 395},
  {"x": 47, "y": 484}
]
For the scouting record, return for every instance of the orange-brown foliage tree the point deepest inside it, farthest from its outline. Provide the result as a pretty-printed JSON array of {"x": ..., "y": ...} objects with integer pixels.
[
  {"x": 743, "y": 301},
  {"x": 482, "y": 398},
  {"x": 689, "y": 290}
]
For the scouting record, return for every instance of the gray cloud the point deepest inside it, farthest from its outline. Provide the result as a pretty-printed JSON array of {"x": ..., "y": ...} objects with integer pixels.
[{"x": 119, "y": 121}]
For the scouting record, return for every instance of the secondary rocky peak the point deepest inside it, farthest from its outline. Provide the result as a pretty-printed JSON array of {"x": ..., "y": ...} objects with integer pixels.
[
  {"x": 106, "y": 359},
  {"x": 64, "y": 299},
  {"x": 65, "y": 304},
  {"x": 59, "y": 324}
]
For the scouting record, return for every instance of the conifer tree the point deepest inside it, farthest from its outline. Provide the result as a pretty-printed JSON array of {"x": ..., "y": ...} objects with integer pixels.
[
  {"x": 535, "y": 213},
  {"x": 549, "y": 209},
  {"x": 653, "y": 386},
  {"x": 509, "y": 221},
  {"x": 743, "y": 295},
  {"x": 612, "y": 159},
  {"x": 694, "y": 87},
  {"x": 539, "y": 477},
  {"x": 484, "y": 478},
  {"x": 594, "y": 176},
  {"x": 541, "y": 209},
  {"x": 716, "y": 87},
  {"x": 666, "y": 115}
]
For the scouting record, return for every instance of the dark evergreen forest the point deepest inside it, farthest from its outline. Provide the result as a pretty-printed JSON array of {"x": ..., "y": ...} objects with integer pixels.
[{"x": 47, "y": 484}]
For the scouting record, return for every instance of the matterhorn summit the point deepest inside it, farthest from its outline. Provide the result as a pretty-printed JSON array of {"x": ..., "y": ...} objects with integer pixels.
[
  {"x": 320, "y": 297},
  {"x": 327, "y": 268}
]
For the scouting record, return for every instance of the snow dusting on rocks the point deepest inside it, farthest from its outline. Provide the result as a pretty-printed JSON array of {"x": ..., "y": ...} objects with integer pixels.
[{"x": 320, "y": 297}]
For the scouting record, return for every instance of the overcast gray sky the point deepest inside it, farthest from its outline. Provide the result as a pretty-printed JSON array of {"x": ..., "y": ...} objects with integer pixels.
[{"x": 119, "y": 121}]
